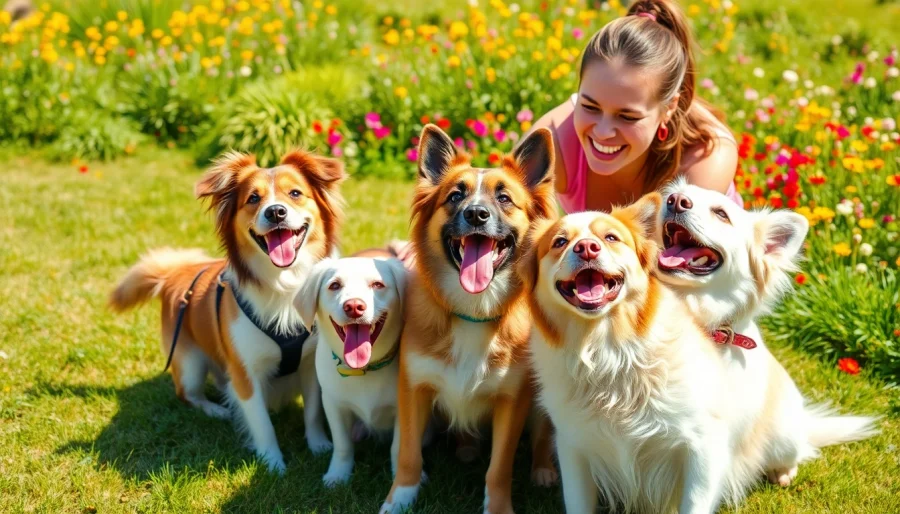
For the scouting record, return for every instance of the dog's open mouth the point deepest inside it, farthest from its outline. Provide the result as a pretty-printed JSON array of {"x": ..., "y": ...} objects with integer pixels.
[
  {"x": 477, "y": 257},
  {"x": 684, "y": 253},
  {"x": 590, "y": 290},
  {"x": 281, "y": 244},
  {"x": 358, "y": 340}
]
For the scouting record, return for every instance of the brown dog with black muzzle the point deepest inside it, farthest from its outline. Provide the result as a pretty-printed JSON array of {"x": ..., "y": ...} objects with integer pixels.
[
  {"x": 464, "y": 346},
  {"x": 235, "y": 317}
]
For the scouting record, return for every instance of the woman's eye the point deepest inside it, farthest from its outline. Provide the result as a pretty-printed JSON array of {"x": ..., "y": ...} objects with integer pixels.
[
  {"x": 559, "y": 242},
  {"x": 254, "y": 198}
]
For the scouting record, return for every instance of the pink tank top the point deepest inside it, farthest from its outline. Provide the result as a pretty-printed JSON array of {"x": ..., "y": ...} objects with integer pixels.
[{"x": 573, "y": 199}]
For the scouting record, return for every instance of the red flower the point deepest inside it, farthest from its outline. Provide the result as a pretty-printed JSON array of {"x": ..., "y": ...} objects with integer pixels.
[
  {"x": 425, "y": 119},
  {"x": 793, "y": 203},
  {"x": 817, "y": 180},
  {"x": 848, "y": 365},
  {"x": 83, "y": 168},
  {"x": 776, "y": 202},
  {"x": 800, "y": 279},
  {"x": 317, "y": 127},
  {"x": 493, "y": 158},
  {"x": 791, "y": 190},
  {"x": 444, "y": 123},
  {"x": 897, "y": 332}
]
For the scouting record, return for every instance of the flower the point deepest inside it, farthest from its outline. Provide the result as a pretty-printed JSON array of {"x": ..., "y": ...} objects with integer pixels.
[
  {"x": 848, "y": 365},
  {"x": 400, "y": 92},
  {"x": 790, "y": 76},
  {"x": 800, "y": 279},
  {"x": 524, "y": 115},
  {"x": 865, "y": 249},
  {"x": 83, "y": 168},
  {"x": 866, "y": 223},
  {"x": 479, "y": 128},
  {"x": 412, "y": 155},
  {"x": 845, "y": 207},
  {"x": 857, "y": 76},
  {"x": 861, "y": 268},
  {"x": 500, "y": 136},
  {"x": 842, "y": 249},
  {"x": 381, "y": 132},
  {"x": 577, "y": 33},
  {"x": 373, "y": 120},
  {"x": 334, "y": 138}
]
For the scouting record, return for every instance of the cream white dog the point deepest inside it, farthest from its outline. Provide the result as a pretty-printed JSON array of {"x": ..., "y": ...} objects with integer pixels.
[
  {"x": 356, "y": 304},
  {"x": 647, "y": 406},
  {"x": 731, "y": 266}
]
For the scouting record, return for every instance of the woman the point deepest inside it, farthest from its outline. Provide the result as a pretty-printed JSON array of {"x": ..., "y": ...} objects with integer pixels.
[{"x": 634, "y": 123}]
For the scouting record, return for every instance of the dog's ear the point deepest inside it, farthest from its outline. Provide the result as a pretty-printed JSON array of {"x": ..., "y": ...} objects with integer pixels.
[
  {"x": 324, "y": 172},
  {"x": 534, "y": 156},
  {"x": 221, "y": 178},
  {"x": 641, "y": 218},
  {"x": 529, "y": 264},
  {"x": 436, "y": 153},
  {"x": 780, "y": 235},
  {"x": 398, "y": 273},
  {"x": 307, "y": 300}
]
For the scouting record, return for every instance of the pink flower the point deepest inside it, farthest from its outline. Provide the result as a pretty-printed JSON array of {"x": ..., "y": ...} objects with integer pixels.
[
  {"x": 707, "y": 83},
  {"x": 412, "y": 154},
  {"x": 500, "y": 136},
  {"x": 751, "y": 94},
  {"x": 334, "y": 138},
  {"x": 459, "y": 142},
  {"x": 887, "y": 219},
  {"x": 842, "y": 132},
  {"x": 891, "y": 59},
  {"x": 479, "y": 128},
  {"x": 472, "y": 145},
  {"x": 577, "y": 33},
  {"x": 336, "y": 151},
  {"x": 373, "y": 120},
  {"x": 524, "y": 115},
  {"x": 381, "y": 132},
  {"x": 857, "y": 76}
]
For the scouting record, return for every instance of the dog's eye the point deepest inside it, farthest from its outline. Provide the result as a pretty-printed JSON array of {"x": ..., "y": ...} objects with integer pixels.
[
  {"x": 377, "y": 285},
  {"x": 334, "y": 286},
  {"x": 295, "y": 193},
  {"x": 720, "y": 212},
  {"x": 504, "y": 198},
  {"x": 455, "y": 197},
  {"x": 254, "y": 198},
  {"x": 559, "y": 242},
  {"x": 611, "y": 238}
]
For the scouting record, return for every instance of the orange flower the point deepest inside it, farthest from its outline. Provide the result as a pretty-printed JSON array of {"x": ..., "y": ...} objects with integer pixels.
[
  {"x": 848, "y": 365},
  {"x": 897, "y": 332},
  {"x": 800, "y": 279},
  {"x": 83, "y": 168}
]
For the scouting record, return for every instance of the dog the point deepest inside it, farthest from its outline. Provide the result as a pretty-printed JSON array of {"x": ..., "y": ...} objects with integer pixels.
[
  {"x": 357, "y": 303},
  {"x": 464, "y": 342},
  {"x": 645, "y": 403},
  {"x": 731, "y": 266},
  {"x": 235, "y": 317}
]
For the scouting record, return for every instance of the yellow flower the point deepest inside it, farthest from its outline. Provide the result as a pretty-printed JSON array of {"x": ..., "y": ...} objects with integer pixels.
[
  {"x": 470, "y": 72},
  {"x": 241, "y": 6},
  {"x": 111, "y": 26},
  {"x": 5, "y": 17},
  {"x": 892, "y": 180},
  {"x": 93, "y": 33},
  {"x": 853, "y": 163},
  {"x": 859, "y": 146},
  {"x": 866, "y": 223},
  {"x": 111, "y": 42},
  {"x": 206, "y": 62},
  {"x": 503, "y": 54},
  {"x": 247, "y": 55},
  {"x": 537, "y": 56},
  {"x": 888, "y": 146},
  {"x": 842, "y": 249},
  {"x": 525, "y": 126},
  {"x": 693, "y": 10},
  {"x": 100, "y": 60},
  {"x": 388, "y": 20},
  {"x": 400, "y": 92},
  {"x": 330, "y": 10},
  {"x": 897, "y": 262},
  {"x": 392, "y": 37},
  {"x": 874, "y": 164},
  {"x": 453, "y": 61},
  {"x": 491, "y": 75},
  {"x": 318, "y": 4},
  {"x": 122, "y": 15},
  {"x": 165, "y": 41},
  {"x": 156, "y": 34},
  {"x": 458, "y": 30},
  {"x": 850, "y": 189}
]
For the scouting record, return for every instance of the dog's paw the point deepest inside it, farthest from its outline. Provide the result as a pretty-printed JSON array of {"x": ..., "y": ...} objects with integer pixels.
[
  {"x": 319, "y": 445},
  {"x": 216, "y": 411},
  {"x": 274, "y": 461},
  {"x": 402, "y": 497},
  {"x": 782, "y": 477},
  {"x": 544, "y": 477},
  {"x": 338, "y": 476}
]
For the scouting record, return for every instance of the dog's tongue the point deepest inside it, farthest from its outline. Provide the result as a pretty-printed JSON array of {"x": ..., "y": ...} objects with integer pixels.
[
  {"x": 281, "y": 247},
  {"x": 589, "y": 286},
  {"x": 477, "y": 267},
  {"x": 679, "y": 257},
  {"x": 357, "y": 345}
]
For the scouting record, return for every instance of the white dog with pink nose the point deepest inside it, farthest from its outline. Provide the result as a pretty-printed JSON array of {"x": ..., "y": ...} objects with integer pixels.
[{"x": 357, "y": 306}]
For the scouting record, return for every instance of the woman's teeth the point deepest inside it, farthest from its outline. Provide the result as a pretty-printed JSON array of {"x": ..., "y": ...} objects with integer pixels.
[{"x": 606, "y": 149}]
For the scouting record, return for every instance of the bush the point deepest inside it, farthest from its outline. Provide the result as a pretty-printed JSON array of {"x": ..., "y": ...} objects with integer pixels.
[
  {"x": 840, "y": 314},
  {"x": 95, "y": 135}
]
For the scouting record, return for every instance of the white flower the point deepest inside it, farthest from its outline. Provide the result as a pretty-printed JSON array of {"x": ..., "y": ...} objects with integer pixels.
[
  {"x": 893, "y": 72},
  {"x": 868, "y": 120},
  {"x": 790, "y": 76},
  {"x": 802, "y": 101},
  {"x": 751, "y": 94},
  {"x": 884, "y": 138},
  {"x": 845, "y": 207},
  {"x": 857, "y": 238},
  {"x": 851, "y": 110},
  {"x": 888, "y": 124},
  {"x": 757, "y": 72},
  {"x": 870, "y": 83},
  {"x": 808, "y": 84},
  {"x": 896, "y": 96},
  {"x": 727, "y": 4},
  {"x": 873, "y": 56},
  {"x": 740, "y": 114},
  {"x": 837, "y": 40},
  {"x": 245, "y": 71},
  {"x": 516, "y": 8},
  {"x": 861, "y": 268},
  {"x": 892, "y": 251},
  {"x": 865, "y": 249}
]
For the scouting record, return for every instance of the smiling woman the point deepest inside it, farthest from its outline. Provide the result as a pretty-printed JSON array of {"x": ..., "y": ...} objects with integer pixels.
[{"x": 635, "y": 123}]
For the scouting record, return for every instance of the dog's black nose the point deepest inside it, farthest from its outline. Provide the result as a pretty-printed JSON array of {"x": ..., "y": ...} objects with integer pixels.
[
  {"x": 476, "y": 215},
  {"x": 678, "y": 202},
  {"x": 275, "y": 213}
]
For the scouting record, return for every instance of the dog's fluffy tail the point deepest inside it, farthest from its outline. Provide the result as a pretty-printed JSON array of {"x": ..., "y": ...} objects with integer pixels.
[
  {"x": 826, "y": 427},
  {"x": 146, "y": 278}
]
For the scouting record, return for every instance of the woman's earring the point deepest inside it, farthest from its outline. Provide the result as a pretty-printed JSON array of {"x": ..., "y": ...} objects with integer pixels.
[{"x": 663, "y": 132}]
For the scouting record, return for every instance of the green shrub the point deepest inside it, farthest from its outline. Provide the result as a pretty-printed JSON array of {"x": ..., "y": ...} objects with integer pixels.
[
  {"x": 842, "y": 314},
  {"x": 95, "y": 135}
]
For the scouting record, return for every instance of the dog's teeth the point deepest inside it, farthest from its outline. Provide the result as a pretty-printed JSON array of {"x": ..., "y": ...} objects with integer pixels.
[{"x": 699, "y": 262}]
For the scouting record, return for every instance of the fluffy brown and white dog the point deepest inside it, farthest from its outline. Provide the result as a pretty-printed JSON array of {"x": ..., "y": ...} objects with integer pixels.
[
  {"x": 464, "y": 343},
  {"x": 239, "y": 321},
  {"x": 646, "y": 406}
]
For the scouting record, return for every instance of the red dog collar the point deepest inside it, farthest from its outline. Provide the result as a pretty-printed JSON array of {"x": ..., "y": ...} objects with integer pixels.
[{"x": 726, "y": 335}]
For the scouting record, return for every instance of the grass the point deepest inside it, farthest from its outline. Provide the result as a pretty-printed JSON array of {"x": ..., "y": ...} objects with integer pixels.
[{"x": 88, "y": 422}]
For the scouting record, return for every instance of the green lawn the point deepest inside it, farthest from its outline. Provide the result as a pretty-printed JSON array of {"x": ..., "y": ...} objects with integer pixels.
[{"x": 88, "y": 422}]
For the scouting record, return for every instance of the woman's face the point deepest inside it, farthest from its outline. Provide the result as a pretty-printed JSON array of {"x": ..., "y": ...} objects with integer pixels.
[{"x": 617, "y": 114}]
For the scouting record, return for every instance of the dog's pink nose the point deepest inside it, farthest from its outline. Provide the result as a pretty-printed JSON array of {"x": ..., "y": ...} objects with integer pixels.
[
  {"x": 355, "y": 308},
  {"x": 678, "y": 202},
  {"x": 587, "y": 249}
]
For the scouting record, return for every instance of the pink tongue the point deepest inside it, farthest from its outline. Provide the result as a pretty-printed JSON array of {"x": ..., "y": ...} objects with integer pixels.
[
  {"x": 357, "y": 345},
  {"x": 589, "y": 286},
  {"x": 678, "y": 256},
  {"x": 477, "y": 267},
  {"x": 281, "y": 247}
]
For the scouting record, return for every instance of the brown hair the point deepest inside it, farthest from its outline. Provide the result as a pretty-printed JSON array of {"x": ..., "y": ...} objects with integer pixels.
[{"x": 660, "y": 39}]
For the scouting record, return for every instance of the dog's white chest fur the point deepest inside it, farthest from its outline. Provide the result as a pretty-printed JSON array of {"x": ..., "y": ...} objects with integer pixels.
[{"x": 465, "y": 384}]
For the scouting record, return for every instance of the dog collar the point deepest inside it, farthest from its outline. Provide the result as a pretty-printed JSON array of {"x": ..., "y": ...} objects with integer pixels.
[
  {"x": 475, "y": 320},
  {"x": 727, "y": 335},
  {"x": 346, "y": 371}
]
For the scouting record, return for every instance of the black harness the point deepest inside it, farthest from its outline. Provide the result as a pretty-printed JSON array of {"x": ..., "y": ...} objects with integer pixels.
[{"x": 290, "y": 343}]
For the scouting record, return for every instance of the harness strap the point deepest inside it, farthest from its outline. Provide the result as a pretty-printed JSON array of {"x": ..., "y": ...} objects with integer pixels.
[{"x": 182, "y": 307}]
